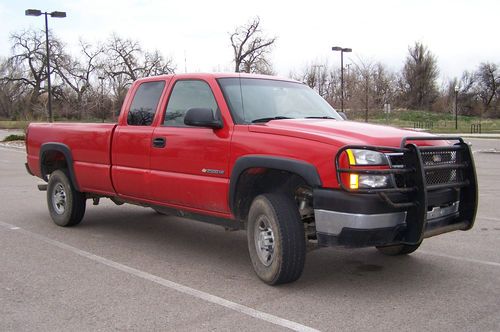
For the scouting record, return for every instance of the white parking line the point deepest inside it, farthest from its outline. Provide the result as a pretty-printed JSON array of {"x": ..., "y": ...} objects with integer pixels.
[
  {"x": 489, "y": 218},
  {"x": 17, "y": 150},
  {"x": 459, "y": 258},
  {"x": 170, "y": 284}
]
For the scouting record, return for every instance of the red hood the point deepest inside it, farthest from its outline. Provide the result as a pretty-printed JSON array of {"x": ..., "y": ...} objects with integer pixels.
[{"x": 339, "y": 133}]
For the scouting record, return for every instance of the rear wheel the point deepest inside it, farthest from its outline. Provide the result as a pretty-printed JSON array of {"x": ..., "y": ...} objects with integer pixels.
[
  {"x": 66, "y": 205},
  {"x": 276, "y": 239},
  {"x": 398, "y": 249}
]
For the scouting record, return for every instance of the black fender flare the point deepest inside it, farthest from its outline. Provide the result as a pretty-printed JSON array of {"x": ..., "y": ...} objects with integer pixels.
[
  {"x": 65, "y": 150},
  {"x": 306, "y": 170}
]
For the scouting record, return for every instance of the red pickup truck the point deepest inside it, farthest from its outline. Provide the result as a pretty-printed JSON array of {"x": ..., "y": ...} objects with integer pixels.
[{"x": 263, "y": 154}]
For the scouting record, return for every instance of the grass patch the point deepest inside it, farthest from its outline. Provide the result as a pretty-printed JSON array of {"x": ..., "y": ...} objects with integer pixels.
[
  {"x": 11, "y": 138},
  {"x": 433, "y": 122},
  {"x": 8, "y": 124}
]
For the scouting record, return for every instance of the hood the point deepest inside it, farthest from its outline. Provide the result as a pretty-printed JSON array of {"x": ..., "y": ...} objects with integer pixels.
[{"x": 339, "y": 133}]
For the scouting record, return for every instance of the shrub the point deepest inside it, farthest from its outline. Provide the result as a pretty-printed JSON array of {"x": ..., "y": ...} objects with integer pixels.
[{"x": 11, "y": 138}]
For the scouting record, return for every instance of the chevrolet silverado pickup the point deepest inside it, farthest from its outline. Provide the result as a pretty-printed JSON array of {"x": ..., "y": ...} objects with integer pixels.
[{"x": 263, "y": 154}]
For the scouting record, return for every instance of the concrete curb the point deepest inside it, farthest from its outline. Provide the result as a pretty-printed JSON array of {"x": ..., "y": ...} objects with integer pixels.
[{"x": 497, "y": 136}]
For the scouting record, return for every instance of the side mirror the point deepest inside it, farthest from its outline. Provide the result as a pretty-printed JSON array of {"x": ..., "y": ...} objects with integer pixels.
[
  {"x": 342, "y": 114},
  {"x": 202, "y": 117}
]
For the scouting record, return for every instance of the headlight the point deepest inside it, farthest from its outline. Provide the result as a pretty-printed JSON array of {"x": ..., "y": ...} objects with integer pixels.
[
  {"x": 373, "y": 181},
  {"x": 361, "y": 157},
  {"x": 366, "y": 157}
]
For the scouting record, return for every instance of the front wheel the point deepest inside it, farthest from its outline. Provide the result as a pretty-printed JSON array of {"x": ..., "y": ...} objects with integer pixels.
[
  {"x": 276, "y": 240},
  {"x": 398, "y": 249},
  {"x": 66, "y": 205}
]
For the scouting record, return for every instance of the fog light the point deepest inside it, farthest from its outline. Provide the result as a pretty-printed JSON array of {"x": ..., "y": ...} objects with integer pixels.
[
  {"x": 372, "y": 181},
  {"x": 353, "y": 181}
]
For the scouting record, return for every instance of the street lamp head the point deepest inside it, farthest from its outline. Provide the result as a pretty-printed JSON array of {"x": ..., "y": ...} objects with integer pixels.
[
  {"x": 341, "y": 49},
  {"x": 32, "y": 12},
  {"x": 58, "y": 14}
]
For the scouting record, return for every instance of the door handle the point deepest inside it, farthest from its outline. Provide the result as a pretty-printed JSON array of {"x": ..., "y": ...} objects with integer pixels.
[{"x": 159, "y": 142}]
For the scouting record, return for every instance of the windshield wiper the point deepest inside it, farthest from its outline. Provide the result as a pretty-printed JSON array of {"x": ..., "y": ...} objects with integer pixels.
[
  {"x": 270, "y": 118},
  {"x": 320, "y": 117}
]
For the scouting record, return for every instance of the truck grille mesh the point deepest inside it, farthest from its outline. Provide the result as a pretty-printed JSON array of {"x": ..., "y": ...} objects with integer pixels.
[{"x": 430, "y": 158}]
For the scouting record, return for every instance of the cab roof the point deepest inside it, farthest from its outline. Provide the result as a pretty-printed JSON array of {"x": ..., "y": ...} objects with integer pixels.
[{"x": 216, "y": 76}]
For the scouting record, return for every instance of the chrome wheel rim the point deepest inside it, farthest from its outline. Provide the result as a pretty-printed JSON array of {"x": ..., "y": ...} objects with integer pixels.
[
  {"x": 59, "y": 199},
  {"x": 264, "y": 241}
]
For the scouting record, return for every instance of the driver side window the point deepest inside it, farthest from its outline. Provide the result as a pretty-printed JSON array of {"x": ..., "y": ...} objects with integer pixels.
[{"x": 188, "y": 94}]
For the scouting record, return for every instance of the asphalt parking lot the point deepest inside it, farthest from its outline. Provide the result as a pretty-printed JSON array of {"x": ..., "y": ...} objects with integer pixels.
[{"x": 127, "y": 268}]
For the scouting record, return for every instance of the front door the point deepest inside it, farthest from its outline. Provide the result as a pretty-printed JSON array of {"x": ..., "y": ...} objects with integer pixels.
[{"x": 191, "y": 168}]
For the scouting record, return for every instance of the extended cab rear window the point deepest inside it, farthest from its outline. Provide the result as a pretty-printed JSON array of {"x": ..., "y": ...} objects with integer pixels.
[{"x": 143, "y": 108}]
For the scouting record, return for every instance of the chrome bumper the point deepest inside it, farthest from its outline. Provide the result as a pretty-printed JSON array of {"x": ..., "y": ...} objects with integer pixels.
[{"x": 333, "y": 222}]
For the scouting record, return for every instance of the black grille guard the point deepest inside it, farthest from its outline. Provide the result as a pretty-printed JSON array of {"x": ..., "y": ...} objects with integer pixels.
[{"x": 414, "y": 176}]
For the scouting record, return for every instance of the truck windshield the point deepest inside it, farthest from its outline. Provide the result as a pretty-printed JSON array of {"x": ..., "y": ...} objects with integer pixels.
[{"x": 254, "y": 100}]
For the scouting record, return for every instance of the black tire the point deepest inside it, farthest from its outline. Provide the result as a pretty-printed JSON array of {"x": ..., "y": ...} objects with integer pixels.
[
  {"x": 398, "y": 249},
  {"x": 286, "y": 262},
  {"x": 66, "y": 205}
]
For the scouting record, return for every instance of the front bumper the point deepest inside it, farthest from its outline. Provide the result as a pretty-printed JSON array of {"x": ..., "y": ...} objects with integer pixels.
[
  {"x": 336, "y": 228},
  {"x": 414, "y": 209}
]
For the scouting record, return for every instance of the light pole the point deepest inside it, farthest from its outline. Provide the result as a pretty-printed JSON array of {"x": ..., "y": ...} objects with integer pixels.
[
  {"x": 318, "y": 67},
  {"x": 342, "y": 50},
  {"x": 456, "y": 107},
  {"x": 37, "y": 12}
]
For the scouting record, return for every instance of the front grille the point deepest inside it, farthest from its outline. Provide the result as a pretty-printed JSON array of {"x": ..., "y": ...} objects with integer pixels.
[
  {"x": 429, "y": 158},
  {"x": 441, "y": 176},
  {"x": 439, "y": 157}
]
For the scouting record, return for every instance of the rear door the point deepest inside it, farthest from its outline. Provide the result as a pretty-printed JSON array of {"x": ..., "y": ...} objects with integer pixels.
[
  {"x": 132, "y": 140},
  {"x": 191, "y": 170}
]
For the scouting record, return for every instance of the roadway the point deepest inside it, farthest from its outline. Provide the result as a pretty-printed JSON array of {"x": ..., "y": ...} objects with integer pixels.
[{"x": 127, "y": 268}]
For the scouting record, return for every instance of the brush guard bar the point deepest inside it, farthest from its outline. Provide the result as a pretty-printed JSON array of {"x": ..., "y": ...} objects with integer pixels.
[{"x": 419, "y": 170}]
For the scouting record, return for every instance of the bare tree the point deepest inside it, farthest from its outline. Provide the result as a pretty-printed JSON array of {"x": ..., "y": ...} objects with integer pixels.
[
  {"x": 77, "y": 74},
  {"x": 419, "y": 76},
  {"x": 126, "y": 61},
  {"x": 13, "y": 94},
  {"x": 251, "y": 48},
  {"x": 321, "y": 77},
  {"x": 127, "y": 58},
  {"x": 29, "y": 57},
  {"x": 384, "y": 85},
  {"x": 488, "y": 84},
  {"x": 468, "y": 103},
  {"x": 311, "y": 75},
  {"x": 365, "y": 87}
]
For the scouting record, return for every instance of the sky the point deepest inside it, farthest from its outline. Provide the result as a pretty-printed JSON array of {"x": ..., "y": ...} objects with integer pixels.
[{"x": 460, "y": 33}]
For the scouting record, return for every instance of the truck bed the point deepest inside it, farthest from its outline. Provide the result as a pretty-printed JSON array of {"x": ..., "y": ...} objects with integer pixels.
[{"x": 90, "y": 146}]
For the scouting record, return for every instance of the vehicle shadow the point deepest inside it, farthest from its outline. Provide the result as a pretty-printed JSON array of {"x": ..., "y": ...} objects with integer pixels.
[{"x": 210, "y": 251}]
